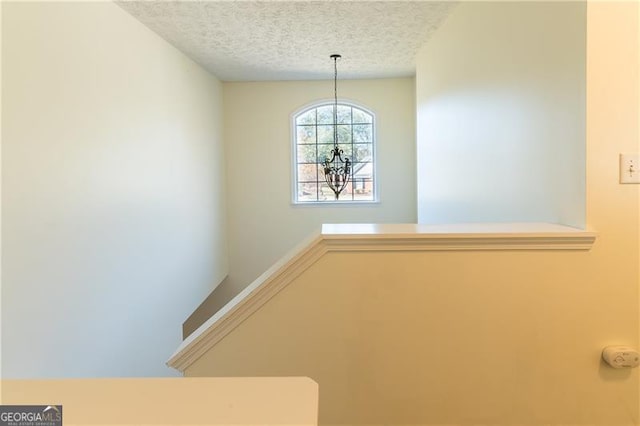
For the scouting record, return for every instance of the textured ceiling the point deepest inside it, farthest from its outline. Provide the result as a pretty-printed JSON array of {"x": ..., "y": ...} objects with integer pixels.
[{"x": 292, "y": 40}]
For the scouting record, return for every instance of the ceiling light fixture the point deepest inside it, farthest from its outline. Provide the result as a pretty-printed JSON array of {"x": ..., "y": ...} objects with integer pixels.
[{"x": 337, "y": 170}]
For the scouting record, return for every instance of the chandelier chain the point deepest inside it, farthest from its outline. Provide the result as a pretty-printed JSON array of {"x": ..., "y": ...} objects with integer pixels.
[{"x": 335, "y": 100}]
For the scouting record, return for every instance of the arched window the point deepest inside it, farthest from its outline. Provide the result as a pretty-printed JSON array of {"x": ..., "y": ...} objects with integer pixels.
[{"x": 313, "y": 141}]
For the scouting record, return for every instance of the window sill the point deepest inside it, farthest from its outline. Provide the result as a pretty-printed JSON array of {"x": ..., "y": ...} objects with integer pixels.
[{"x": 334, "y": 203}]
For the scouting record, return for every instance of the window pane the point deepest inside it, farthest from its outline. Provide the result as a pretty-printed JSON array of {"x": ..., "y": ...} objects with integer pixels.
[
  {"x": 344, "y": 114},
  {"x": 324, "y": 151},
  {"x": 344, "y": 134},
  {"x": 358, "y": 189},
  {"x": 307, "y": 153},
  {"x": 347, "y": 191},
  {"x": 363, "y": 133},
  {"x": 308, "y": 117},
  {"x": 362, "y": 152},
  {"x": 363, "y": 189},
  {"x": 363, "y": 170},
  {"x": 308, "y": 172},
  {"x": 360, "y": 116},
  {"x": 325, "y": 134},
  {"x": 308, "y": 191},
  {"x": 326, "y": 193},
  {"x": 347, "y": 151},
  {"x": 306, "y": 134},
  {"x": 325, "y": 114}
]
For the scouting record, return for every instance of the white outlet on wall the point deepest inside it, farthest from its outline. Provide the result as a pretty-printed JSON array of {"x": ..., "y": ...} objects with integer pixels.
[{"x": 629, "y": 168}]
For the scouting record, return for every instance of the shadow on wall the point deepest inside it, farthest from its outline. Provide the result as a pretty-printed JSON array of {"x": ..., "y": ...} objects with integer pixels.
[{"x": 219, "y": 297}]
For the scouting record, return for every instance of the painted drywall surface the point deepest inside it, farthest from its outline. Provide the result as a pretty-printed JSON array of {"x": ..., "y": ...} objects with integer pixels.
[
  {"x": 613, "y": 127},
  {"x": 445, "y": 338},
  {"x": 174, "y": 400},
  {"x": 263, "y": 223},
  {"x": 494, "y": 338},
  {"x": 0, "y": 199},
  {"x": 501, "y": 112},
  {"x": 112, "y": 192}
]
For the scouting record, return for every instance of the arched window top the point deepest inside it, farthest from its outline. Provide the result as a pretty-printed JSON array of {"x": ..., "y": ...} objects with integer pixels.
[
  {"x": 322, "y": 113},
  {"x": 313, "y": 133}
]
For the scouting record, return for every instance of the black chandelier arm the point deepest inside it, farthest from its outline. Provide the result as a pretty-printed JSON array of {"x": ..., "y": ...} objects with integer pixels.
[
  {"x": 337, "y": 182},
  {"x": 333, "y": 156},
  {"x": 337, "y": 153},
  {"x": 337, "y": 171}
]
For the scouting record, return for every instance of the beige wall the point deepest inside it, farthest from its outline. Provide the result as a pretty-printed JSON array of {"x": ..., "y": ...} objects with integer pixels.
[
  {"x": 493, "y": 338},
  {"x": 112, "y": 192},
  {"x": 263, "y": 223},
  {"x": 446, "y": 338},
  {"x": 500, "y": 94},
  {"x": 173, "y": 401},
  {"x": 0, "y": 198}
]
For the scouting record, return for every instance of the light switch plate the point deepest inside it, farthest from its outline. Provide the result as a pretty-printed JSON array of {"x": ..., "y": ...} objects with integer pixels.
[{"x": 629, "y": 168}]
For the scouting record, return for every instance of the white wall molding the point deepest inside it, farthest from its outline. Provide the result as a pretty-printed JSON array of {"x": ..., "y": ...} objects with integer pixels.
[
  {"x": 247, "y": 302},
  {"x": 371, "y": 237},
  {"x": 476, "y": 236}
]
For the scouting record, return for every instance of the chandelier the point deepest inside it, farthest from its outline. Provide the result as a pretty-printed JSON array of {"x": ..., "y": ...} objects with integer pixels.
[{"x": 337, "y": 170}]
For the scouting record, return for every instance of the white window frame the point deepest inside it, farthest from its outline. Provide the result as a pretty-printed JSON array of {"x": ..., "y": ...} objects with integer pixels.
[{"x": 294, "y": 155}]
